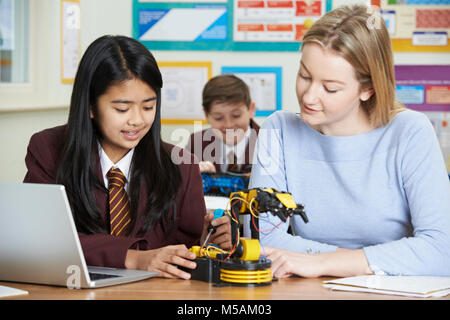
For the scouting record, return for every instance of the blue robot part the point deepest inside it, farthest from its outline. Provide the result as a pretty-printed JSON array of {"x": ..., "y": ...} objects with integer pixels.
[{"x": 226, "y": 184}]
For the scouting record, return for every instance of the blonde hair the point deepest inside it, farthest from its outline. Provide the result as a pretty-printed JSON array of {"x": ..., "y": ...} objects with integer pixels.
[{"x": 363, "y": 40}]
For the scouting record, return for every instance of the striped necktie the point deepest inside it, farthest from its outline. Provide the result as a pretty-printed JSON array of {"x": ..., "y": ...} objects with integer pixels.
[
  {"x": 232, "y": 162},
  {"x": 119, "y": 205}
]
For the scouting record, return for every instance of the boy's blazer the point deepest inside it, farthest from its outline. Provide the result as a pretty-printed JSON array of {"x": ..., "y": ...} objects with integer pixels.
[
  {"x": 42, "y": 161},
  {"x": 207, "y": 140}
]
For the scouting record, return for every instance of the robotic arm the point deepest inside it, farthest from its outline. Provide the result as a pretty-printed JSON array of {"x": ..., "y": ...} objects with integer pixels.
[
  {"x": 243, "y": 265},
  {"x": 259, "y": 200}
]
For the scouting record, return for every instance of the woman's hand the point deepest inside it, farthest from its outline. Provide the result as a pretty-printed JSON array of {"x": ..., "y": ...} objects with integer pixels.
[
  {"x": 286, "y": 263},
  {"x": 206, "y": 166},
  {"x": 340, "y": 263},
  {"x": 166, "y": 260},
  {"x": 222, "y": 236}
]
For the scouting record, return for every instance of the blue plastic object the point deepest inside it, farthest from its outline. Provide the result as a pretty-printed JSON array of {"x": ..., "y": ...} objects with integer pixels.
[
  {"x": 226, "y": 184},
  {"x": 218, "y": 213}
]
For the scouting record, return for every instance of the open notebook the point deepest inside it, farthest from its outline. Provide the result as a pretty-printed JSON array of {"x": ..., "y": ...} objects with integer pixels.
[{"x": 412, "y": 286}]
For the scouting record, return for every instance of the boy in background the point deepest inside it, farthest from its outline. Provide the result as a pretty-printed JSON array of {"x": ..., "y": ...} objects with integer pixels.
[{"x": 228, "y": 145}]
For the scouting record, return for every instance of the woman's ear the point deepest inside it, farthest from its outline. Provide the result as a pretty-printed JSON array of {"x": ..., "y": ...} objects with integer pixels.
[
  {"x": 366, "y": 94},
  {"x": 91, "y": 113}
]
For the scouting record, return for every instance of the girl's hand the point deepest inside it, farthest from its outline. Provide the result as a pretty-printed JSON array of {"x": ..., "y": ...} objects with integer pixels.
[
  {"x": 165, "y": 260},
  {"x": 222, "y": 236},
  {"x": 206, "y": 166}
]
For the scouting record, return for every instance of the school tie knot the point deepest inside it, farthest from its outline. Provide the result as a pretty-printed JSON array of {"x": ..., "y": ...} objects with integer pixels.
[
  {"x": 119, "y": 204},
  {"x": 232, "y": 162},
  {"x": 116, "y": 178}
]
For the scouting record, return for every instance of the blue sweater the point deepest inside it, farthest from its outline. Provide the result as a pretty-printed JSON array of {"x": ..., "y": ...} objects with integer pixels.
[{"x": 386, "y": 191}]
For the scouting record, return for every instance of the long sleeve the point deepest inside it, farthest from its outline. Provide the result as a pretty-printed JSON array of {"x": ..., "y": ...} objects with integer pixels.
[
  {"x": 42, "y": 156},
  {"x": 42, "y": 160},
  {"x": 269, "y": 171},
  {"x": 191, "y": 207},
  {"x": 427, "y": 189},
  {"x": 386, "y": 192}
]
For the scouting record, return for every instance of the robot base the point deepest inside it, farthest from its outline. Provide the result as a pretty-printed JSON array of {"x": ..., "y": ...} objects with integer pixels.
[{"x": 233, "y": 272}]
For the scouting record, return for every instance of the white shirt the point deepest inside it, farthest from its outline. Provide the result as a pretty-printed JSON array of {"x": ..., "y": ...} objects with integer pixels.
[
  {"x": 238, "y": 149},
  {"x": 123, "y": 164}
]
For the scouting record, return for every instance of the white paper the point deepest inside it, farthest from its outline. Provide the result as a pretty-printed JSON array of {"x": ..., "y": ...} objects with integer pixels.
[
  {"x": 182, "y": 92},
  {"x": 8, "y": 291},
  {"x": 274, "y": 21},
  {"x": 413, "y": 286},
  {"x": 71, "y": 39},
  {"x": 213, "y": 202},
  {"x": 263, "y": 89},
  {"x": 183, "y": 24}
]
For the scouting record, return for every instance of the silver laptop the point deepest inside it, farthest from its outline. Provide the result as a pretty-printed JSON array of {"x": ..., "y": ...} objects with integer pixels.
[{"x": 39, "y": 241}]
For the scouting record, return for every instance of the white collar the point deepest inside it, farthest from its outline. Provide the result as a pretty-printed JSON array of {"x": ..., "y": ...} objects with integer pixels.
[
  {"x": 238, "y": 149},
  {"x": 123, "y": 164}
]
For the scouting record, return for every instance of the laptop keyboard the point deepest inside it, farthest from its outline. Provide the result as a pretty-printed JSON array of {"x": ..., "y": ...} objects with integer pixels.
[{"x": 100, "y": 276}]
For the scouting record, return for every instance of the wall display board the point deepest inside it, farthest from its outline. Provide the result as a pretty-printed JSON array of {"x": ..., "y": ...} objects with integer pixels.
[
  {"x": 424, "y": 88},
  {"x": 181, "y": 94},
  {"x": 70, "y": 39},
  {"x": 6, "y": 25},
  {"x": 427, "y": 89},
  {"x": 264, "y": 84},
  {"x": 241, "y": 25},
  {"x": 418, "y": 25}
]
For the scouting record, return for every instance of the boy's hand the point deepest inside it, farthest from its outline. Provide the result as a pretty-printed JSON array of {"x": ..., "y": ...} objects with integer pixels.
[{"x": 206, "y": 166}]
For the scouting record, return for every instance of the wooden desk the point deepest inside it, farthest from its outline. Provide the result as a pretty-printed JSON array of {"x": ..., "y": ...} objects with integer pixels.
[{"x": 169, "y": 289}]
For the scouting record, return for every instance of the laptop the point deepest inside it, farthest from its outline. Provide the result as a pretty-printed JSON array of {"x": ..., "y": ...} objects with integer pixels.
[{"x": 39, "y": 242}]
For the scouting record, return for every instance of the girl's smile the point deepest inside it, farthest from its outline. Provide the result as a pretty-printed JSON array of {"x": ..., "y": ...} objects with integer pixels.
[
  {"x": 124, "y": 114},
  {"x": 131, "y": 135}
]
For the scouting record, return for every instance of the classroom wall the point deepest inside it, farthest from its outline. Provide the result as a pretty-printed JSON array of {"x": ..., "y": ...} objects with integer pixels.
[{"x": 44, "y": 102}]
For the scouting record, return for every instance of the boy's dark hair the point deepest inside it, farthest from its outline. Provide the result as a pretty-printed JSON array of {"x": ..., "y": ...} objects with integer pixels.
[{"x": 225, "y": 88}]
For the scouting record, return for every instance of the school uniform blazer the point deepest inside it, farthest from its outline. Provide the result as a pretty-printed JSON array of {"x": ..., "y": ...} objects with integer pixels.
[
  {"x": 208, "y": 139},
  {"x": 42, "y": 160}
]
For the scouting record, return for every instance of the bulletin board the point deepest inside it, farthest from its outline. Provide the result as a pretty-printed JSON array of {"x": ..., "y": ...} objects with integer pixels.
[
  {"x": 426, "y": 88},
  {"x": 181, "y": 94},
  {"x": 264, "y": 84},
  {"x": 418, "y": 25},
  {"x": 232, "y": 25},
  {"x": 267, "y": 25},
  {"x": 70, "y": 39}
]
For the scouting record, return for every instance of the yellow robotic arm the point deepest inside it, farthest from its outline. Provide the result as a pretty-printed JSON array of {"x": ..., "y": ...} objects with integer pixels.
[{"x": 243, "y": 265}]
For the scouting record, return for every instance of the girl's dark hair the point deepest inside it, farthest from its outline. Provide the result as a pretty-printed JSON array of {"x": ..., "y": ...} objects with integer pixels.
[{"x": 110, "y": 60}]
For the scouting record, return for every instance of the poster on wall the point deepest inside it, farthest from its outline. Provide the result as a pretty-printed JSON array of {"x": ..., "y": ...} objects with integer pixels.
[
  {"x": 274, "y": 21},
  {"x": 264, "y": 84},
  {"x": 426, "y": 88},
  {"x": 181, "y": 94},
  {"x": 70, "y": 39},
  {"x": 193, "y": 24},
  {"x": 6, "y": 25},
  {"x": 241, "y": 25},
  {"x": 418, "y": 25}
]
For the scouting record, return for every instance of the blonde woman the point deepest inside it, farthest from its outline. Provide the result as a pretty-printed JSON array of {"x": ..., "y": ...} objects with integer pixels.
[{"x": 369, "y": 172}]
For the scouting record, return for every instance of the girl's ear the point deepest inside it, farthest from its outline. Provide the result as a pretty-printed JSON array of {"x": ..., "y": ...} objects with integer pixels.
[
  {"x": 91, "y": 113},
  {"x": 252, "y": 109},
  {"x": 366, "y": 94}
]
